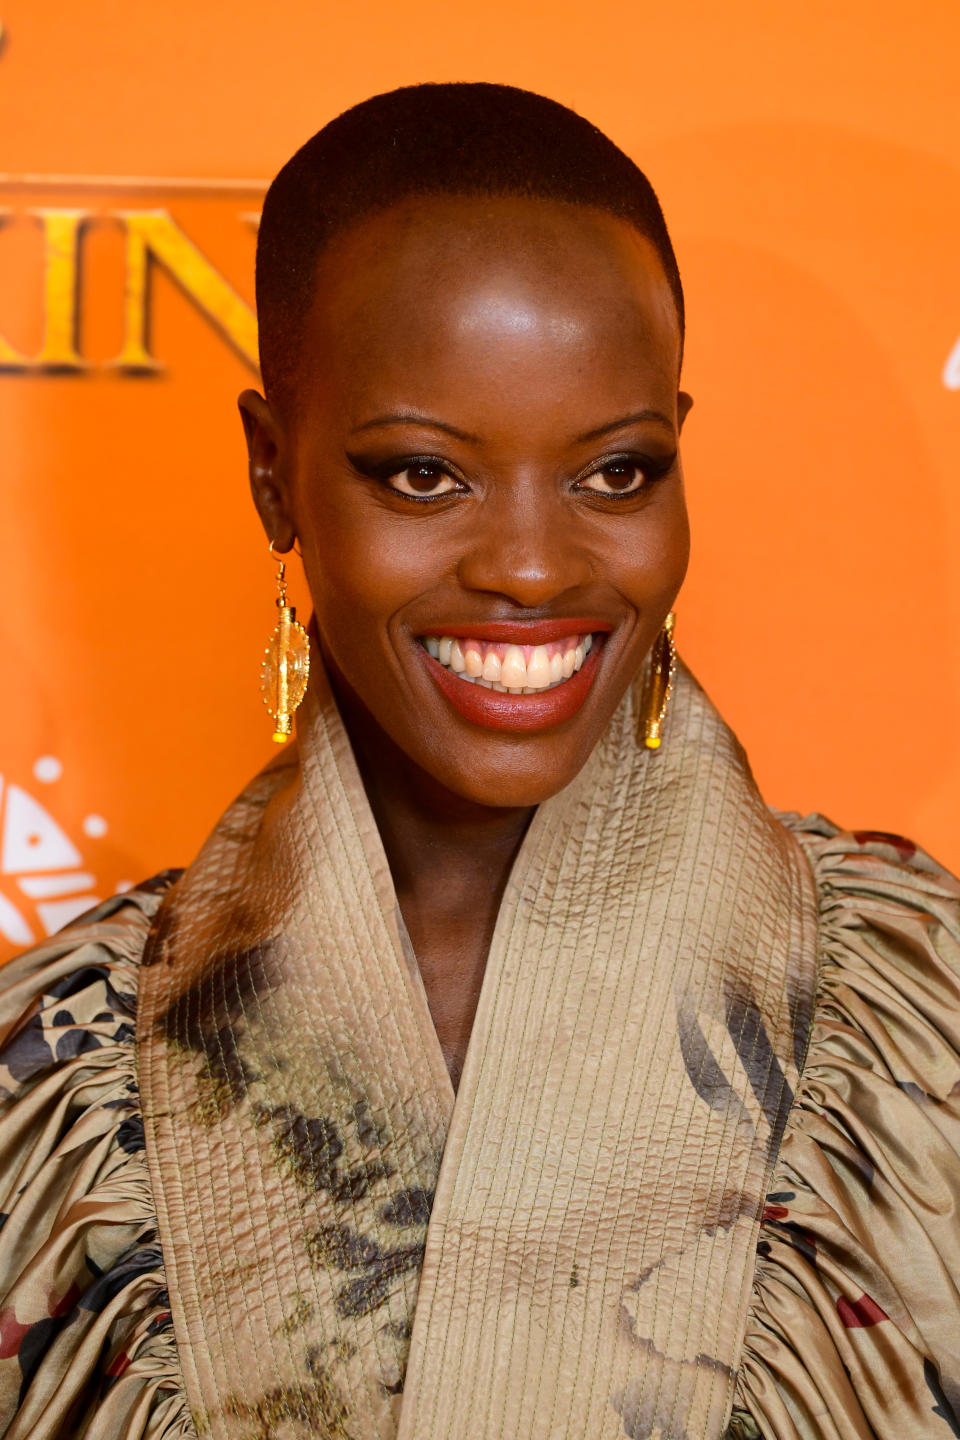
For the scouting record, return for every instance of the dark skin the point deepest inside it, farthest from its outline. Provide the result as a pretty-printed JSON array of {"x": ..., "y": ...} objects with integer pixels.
[{"x": 533, "y": 351}]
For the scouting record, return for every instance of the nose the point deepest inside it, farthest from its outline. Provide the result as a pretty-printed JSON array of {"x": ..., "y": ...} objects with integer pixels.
[{"x": 526, "y": 546}]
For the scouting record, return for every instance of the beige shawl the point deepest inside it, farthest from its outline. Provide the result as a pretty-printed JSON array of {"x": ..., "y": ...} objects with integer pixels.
[{"x": 566, "y": 1248}]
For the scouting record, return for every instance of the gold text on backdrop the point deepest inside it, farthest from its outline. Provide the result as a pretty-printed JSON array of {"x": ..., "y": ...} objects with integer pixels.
[{"x": 153, "y": 238}]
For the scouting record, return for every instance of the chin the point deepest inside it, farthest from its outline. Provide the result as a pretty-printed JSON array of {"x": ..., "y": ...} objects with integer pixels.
[
  {"x": 519, "y": 794},
  {"x": 511, "y": 781}
]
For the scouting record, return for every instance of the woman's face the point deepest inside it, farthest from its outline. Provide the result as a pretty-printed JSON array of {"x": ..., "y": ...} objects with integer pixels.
[{"x": 480, "y": 462}]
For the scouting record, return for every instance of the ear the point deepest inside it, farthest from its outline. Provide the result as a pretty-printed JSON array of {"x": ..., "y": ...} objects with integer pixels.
[
  {"x": 268, "y": 480},
  {"x": 684, "y": 405}
]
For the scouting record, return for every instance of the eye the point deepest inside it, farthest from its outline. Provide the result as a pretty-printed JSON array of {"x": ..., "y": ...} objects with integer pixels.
[
  {"x": 617, "y": 477},
  {"x": 424, "y": 480}
]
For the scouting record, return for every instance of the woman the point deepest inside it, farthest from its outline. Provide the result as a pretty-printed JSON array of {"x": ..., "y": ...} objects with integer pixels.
[{"x": 471, "y": 1043}]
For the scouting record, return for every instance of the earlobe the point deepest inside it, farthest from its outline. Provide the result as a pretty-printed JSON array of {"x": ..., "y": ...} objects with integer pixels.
[{"x": 268, "y": 485}]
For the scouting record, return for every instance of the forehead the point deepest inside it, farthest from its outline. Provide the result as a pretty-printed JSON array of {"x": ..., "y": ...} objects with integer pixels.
[{"x": 443, "y": 297}]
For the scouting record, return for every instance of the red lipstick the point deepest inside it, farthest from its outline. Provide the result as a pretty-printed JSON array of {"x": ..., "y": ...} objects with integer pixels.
[
  {"x": 497, "y": 711},
  {"x": 524, "y": 632}
]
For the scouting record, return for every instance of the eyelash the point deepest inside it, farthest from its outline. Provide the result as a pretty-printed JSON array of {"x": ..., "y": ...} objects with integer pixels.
[{"x": 653, "y": 470}]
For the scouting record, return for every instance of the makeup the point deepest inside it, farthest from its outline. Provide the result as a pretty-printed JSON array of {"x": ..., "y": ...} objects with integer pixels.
[{"x": 519, "y": 676}]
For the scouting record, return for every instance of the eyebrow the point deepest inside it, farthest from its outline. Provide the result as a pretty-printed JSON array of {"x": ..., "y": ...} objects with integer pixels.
[
  {"x": 414, "y": 417},
  {"x": 634, "y": 419}
]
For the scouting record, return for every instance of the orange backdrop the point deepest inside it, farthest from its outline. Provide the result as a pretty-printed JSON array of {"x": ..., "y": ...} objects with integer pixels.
[{"x": 808, "y": 159}]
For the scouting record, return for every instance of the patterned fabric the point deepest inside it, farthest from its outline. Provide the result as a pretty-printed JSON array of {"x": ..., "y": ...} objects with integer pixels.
[
  {"x": 853, "y": 1328},
  {"x": 86, "y": 1340},
  {"x": 597, "y": 1185}
]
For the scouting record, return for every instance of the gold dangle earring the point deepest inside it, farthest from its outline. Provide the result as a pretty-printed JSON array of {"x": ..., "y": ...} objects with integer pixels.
[
  {"x": 658, "y": 687},
  {"x": 285, "y": 668}
]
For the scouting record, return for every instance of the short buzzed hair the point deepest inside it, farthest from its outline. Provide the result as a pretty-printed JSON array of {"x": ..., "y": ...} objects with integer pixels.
[{"x": 456, "y": 139}]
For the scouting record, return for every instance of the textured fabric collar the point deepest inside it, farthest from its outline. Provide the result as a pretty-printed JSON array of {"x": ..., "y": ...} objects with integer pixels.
[{"x": 567, "y": 1248}]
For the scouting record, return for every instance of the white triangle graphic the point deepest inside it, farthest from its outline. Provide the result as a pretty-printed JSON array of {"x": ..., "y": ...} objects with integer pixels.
[
  {"x": 57, "y": 913},
  {"x": 13, "y": 927},
  {"x": 32, "y": 839}
]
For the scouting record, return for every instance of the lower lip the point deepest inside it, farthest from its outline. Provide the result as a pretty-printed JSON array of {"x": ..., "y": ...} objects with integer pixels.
[{"x": 497, "y": 711}]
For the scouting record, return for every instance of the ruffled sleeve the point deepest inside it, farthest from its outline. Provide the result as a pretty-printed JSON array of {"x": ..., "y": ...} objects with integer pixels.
[
  {"x": 87, "y": 1350},
  {"x": 854, "y": 1330}
]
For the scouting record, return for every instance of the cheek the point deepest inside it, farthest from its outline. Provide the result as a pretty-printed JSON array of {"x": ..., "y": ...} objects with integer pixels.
[
  {"x": 358, "y": 564},
  {"x": 648, "y": 561},
  {"x": 675, "y": 547}
]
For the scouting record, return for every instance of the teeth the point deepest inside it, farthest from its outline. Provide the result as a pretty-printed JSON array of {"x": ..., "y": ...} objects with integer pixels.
[
  {"x": 511, "y": 669},
  {"x": 538, "y": 668},
  {"x": 491, "y": 666}
]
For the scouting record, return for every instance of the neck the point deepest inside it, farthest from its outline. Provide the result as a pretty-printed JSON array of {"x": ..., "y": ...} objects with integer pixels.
[{"x": 449, "y": 858}]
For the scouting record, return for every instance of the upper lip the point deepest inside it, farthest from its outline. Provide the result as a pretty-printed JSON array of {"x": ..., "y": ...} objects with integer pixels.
[{"x": 523, "y": 632}]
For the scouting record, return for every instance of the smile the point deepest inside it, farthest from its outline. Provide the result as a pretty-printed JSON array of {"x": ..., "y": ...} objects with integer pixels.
[
  {"x": 517, "y": 676},
  {"x": 513, "y": 669}
]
